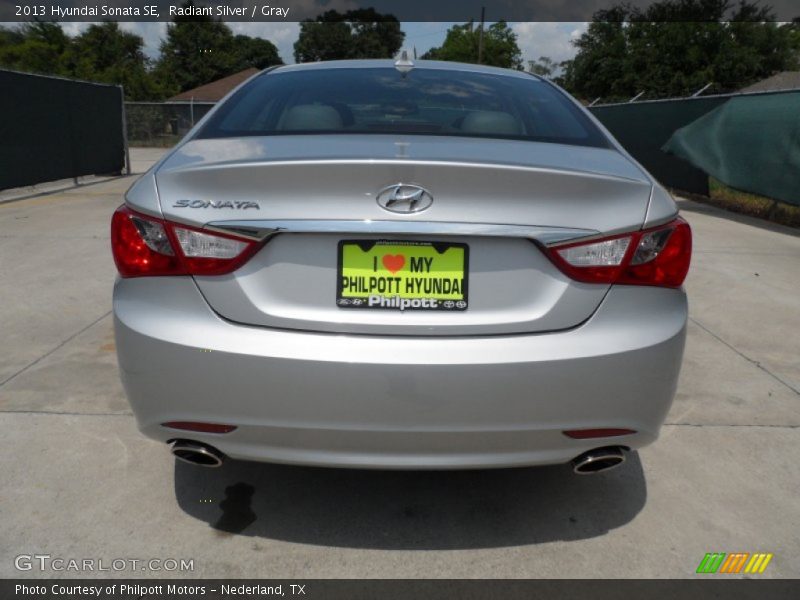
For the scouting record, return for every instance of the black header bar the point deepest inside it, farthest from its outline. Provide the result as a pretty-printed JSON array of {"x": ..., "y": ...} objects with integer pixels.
[
  {"x": 298, "y": 10},
  {"x": 710, "y": 586}
]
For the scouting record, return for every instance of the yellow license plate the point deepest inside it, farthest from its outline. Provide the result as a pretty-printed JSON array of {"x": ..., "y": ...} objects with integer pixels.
[{"x": 399, "y": 275}]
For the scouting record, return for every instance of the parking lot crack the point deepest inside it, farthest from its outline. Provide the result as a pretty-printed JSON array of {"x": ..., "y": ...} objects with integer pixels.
[
  {"x": 51, "y": 351},
  {"x": 744, "y": 356}
]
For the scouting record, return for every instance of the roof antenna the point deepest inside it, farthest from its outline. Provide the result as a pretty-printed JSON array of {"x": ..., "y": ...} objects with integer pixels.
[{"x": 404, "y": 64}]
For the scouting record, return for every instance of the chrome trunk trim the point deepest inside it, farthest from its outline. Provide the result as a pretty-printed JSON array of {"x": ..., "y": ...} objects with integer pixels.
[{"x": 265, "y": 229}]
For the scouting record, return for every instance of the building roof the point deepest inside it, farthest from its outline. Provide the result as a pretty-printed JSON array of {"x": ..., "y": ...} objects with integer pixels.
[
  {"x": 786, "y": 80},
  {"x": 216, "y": 90}
]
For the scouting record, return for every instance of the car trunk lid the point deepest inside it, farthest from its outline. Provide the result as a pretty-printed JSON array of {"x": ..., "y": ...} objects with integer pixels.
[{"x": 496, "y": 199}]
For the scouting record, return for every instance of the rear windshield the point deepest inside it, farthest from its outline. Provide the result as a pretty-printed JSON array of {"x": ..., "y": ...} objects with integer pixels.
[{"x": 423, "y": 102}]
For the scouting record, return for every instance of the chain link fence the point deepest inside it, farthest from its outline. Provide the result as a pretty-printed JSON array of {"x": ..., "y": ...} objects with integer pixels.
[{"x": 162, "y": 124}]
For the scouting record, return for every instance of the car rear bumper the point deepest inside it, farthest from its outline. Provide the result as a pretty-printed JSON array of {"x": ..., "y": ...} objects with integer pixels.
[{"x": 397, "y": 402}]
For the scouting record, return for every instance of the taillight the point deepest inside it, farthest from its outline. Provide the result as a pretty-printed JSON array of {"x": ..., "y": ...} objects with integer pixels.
[
  {"x": 658, "y": 256},
  {"x": 147, "y": 246},
  {"x": 141, "y": 246},
  {"x": 210, "y": 253},
  {"x": 662, "y": 256}
]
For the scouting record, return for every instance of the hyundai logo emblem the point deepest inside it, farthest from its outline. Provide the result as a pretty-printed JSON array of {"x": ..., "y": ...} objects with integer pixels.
[{"x": 404, "y": 198}]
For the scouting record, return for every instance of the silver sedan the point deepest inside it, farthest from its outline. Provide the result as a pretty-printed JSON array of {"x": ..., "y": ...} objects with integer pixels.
[{"x": 400, "y": 265}]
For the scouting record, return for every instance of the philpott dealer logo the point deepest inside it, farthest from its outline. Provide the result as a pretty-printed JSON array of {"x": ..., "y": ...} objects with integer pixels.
[{"x": 733, "y": 563}]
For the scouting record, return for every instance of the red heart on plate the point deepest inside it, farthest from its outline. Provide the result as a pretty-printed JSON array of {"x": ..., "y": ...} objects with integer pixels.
[{"x": 394, "y": 262}]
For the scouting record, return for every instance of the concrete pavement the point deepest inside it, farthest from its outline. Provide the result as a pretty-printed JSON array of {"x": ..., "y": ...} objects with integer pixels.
[{"x": 81, "y": 482}]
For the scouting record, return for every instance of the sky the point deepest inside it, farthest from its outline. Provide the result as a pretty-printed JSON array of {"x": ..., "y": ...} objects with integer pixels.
[{"x": 534, "y": 39}]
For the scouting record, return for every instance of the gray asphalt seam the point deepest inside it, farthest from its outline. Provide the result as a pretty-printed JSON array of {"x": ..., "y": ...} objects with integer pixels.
[
  {"x": 744, "y": 356},
  {"x": 730, "y": 425},
  {"x": 70, "y": 188},
  {"x": 63, "y": 413},
  {"x": 54, "y": 237},
  {"x": 746, "y": 253},
  {"x": 59, "y": 346}
]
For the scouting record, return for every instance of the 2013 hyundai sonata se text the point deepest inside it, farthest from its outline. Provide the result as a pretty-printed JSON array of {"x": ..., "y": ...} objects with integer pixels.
[{"x": 400, "y": 265}]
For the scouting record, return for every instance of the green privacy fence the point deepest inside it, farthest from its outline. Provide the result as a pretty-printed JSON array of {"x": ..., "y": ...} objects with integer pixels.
[
  {"x": 749, "y": 142},
  {"x": 53, "y": 128},
  {"x": 644, "y": 127}
]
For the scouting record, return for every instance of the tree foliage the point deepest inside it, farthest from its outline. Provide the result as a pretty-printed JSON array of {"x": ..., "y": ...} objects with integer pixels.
[
  {"x": 201, "y": 49},
  {"x": 35, "y": 48},
  {"x": 196, "y": 51},
  {"x": 107, "y": 54},
  {"x": 103, "y": 53},
  {"x": 255, "y": 52},
  {"x": 675, "y": 47},
  {"x": 544, "y": 66},
  {"x": 500, "y": 47},
  {"x": 362, "y": 33}
]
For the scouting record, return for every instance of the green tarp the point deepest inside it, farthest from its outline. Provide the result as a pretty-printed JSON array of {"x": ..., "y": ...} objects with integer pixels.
[{"x": 751, "y": 143}]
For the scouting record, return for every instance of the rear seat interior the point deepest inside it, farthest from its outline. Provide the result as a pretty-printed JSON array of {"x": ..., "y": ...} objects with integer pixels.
[
  {"x": 328, "y": 117},
  {"x": 491, "y": 121},
  {"x": 306, "y": 117}
]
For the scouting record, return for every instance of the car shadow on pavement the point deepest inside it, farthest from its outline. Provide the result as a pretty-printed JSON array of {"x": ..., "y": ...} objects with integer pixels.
[{"x": 402, "y": 510}]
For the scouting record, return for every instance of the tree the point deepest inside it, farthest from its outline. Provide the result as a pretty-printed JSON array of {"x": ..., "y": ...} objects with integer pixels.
[
  {"x": 374, "y": 35},
  {"x": 500, "y": 47},
  {"x": 107, "y": 54},
  {"x": 600, "y": 66},
  {"x": 362, "y": 33},
  {"x": 196, "y": 51},
  {"x": 544, "y": 67},
  {"x": 102, "y": 53},
  {"x": 675, "y": 47},
  {"x": 793, "y": 29},
  {"x": 38, "y": 47},
  {"x": 255, "y": 52},
  {"x": 326, "y": 38},
  {"x": 201, "y": 49}
]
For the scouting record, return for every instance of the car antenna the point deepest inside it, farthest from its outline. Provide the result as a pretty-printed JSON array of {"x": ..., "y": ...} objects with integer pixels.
[{"x": 404, "y": 64}]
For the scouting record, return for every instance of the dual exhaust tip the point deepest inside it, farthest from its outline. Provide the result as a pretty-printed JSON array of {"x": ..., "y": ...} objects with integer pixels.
[
  {"x": 598, "y": 460},
  {"x": 588, "y": 463},
  {"x": 198, "y": 454}
]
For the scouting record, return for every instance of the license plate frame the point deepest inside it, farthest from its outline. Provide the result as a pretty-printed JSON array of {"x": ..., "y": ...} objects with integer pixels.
[{"x": 447, "y": 290}]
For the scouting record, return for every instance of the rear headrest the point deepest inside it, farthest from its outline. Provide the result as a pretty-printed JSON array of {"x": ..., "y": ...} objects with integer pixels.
[
  {"x": 491, "y": 121},
  {"x": 312, "y": 116}
]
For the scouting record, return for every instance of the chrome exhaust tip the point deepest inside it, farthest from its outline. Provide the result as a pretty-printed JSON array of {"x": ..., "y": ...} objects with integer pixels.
[
  {"x": 197, "y": 454},
  {"x": 598, "y": 460}
]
